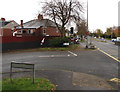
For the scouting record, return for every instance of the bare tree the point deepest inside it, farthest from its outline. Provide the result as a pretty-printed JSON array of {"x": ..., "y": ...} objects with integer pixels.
[
  {"x": 62, "y": 12},
  {"x": 81, "y": 28}
]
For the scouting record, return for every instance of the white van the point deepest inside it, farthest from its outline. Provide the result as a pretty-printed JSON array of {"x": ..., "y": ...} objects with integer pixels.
[{"x": 118, "y": 39}]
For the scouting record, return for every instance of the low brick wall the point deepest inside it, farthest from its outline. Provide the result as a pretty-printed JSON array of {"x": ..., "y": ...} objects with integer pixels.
[
  {"x": 13, "y": 43},
  {"x": 21, "y": 45}
]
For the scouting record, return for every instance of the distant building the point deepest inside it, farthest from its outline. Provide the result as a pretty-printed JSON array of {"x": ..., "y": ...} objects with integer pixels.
[
  {"x": 116, "y": 31},
  {"x": 37, "y": 27},
  {"x": 7, "y": 27}
]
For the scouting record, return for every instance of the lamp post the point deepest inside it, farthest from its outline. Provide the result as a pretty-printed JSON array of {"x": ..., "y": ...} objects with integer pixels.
[
  {"x": 87, "y": 27},
  {"x": 111, "y": 33}
]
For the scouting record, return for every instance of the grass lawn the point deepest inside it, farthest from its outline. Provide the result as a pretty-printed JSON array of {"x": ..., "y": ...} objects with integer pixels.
[{"x": 26, "y": 84}]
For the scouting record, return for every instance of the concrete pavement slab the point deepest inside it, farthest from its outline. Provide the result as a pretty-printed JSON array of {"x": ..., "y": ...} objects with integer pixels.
[{"x": 87, "y": 80}]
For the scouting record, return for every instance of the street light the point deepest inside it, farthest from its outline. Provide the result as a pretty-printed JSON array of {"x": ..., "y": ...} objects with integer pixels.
[{"x": 87, "y": 27}]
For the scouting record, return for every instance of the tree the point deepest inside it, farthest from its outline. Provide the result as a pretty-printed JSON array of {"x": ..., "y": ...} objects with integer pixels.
[
  {"x": 81, "y": 28},
  {"x": 62, "y": 12},
  {"x": 108, "y": 31},
  {"x": 99, "y": 32}
]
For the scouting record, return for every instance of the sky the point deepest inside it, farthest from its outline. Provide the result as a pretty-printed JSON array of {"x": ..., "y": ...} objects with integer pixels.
[{"x": 101, "y": 13}]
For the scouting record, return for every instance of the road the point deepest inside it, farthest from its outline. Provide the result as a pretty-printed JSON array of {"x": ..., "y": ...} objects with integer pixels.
[
  {"x": 108, "y": 47},
  {"x": 53, "y": 63},
  {"x": 93, "y": 62}
]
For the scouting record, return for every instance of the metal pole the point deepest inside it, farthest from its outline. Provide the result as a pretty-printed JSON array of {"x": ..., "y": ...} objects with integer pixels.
[
  {"x": 87, "y": 15},
  {"x": 111, "y": 34},
  {"x": 11, "y": 72},
  {"x": 33, "y": 74},
  {"x": 87, "y": 27}
]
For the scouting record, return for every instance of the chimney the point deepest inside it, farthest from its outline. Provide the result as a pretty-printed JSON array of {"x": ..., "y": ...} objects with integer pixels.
[
  {"x": 21, "y": 23},
  {"x": 2, "y": 19},
  {"x": 40, "y": 17}
]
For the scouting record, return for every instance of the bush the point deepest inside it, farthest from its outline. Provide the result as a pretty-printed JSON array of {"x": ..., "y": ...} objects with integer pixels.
[{"x": 58, "y": 41}]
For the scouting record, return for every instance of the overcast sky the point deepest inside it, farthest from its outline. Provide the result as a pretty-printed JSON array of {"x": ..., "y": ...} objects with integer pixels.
[{"x": 102, "y": 13}]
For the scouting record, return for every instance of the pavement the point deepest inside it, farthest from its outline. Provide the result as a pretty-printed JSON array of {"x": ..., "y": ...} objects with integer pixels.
[{"x": 68, "y": 80}]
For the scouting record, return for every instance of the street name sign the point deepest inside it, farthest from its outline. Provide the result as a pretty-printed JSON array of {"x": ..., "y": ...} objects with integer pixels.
[{"x": 22, "y": 65}]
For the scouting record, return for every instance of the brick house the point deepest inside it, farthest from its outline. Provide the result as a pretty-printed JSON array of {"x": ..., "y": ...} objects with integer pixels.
[
  {"x": 37, "y": 27},
  {"x": 7, "y": 27}
]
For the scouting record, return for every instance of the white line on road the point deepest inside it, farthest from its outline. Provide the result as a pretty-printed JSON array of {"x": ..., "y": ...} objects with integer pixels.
[
  {"x": 72, "y": 53},
  {"x": 54, "y": 56},
  {"x": 108, "y": 55}
]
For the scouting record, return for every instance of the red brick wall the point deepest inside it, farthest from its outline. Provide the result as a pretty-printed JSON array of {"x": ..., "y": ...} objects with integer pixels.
[
  {"x": 6, "y": 32},
  {"x": 51, "y": 31},
  {"x": 12, "y": 39}
]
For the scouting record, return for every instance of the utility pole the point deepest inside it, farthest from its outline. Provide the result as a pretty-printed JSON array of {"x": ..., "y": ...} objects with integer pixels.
[{"x": 87, "y": 27}]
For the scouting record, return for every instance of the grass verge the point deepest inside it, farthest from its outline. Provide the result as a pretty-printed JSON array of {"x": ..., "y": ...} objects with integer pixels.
[
  {"x": 71, "y": 47},
  {"x": 26, "y": 84},
  {"x": 100, "y": 40}
]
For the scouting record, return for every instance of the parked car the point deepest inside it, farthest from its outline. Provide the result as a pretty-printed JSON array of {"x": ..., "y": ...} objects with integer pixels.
[
  {"x": 75, "y": 40},
  {"x": 113, "y": 40},
  {"x": 118, "y": 39}
]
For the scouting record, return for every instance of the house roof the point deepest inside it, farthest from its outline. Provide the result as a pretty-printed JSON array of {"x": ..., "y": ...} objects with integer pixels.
[
  {"x": 3, "y": 23},
  {"x": 38, "y": 23},
  {"x": 12, "y": 24},
  {"x": 8, "y": 24}
]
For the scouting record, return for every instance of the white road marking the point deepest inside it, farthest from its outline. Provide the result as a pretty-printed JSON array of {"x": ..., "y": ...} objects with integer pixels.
[
  {"x": 54, "y": 56},
  {"x": 117, "y": 80},
  {"x": 72, "y": 53},
  {"x": 108, "y": 55},
  {"x": 68, "y": 55}
]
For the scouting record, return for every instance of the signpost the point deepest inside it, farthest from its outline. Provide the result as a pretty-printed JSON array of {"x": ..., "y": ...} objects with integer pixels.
[{"x": 22, "y": 66}]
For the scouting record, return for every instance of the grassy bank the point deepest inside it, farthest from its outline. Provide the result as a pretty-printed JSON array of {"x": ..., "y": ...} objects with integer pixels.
[{"x": 26, "y": 84}]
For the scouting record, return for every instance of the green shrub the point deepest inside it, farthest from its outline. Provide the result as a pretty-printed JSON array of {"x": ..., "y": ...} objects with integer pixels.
[{"x": 58, "y": 41}]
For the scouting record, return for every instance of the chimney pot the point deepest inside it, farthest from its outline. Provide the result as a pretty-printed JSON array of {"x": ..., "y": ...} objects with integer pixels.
[
  {"x": 2, "y": 19},
  {"x": 40, "y": 17},
  {"x": 21, "y": 23}
]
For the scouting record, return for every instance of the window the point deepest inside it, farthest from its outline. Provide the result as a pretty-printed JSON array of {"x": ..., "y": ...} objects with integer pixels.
[
  {"x": 24, "y": 31},
  {"x": 20, "y": 32},
  {"x": 32, "y": 31},
  {"x": 29, "y": 31},
  {"x": 44, "y": 31}
]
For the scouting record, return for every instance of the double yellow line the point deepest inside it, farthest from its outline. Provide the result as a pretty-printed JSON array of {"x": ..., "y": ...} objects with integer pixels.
[{"x": 108, "y": 55}]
